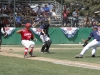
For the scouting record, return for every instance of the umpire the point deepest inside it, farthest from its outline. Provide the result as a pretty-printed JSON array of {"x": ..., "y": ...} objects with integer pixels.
[
  {"x": 2, "y": 25},
  {"x": 44, "y": 36}
]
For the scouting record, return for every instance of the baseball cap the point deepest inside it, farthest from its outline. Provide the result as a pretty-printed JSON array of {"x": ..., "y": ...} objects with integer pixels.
[{"x": 28, "y": 25}]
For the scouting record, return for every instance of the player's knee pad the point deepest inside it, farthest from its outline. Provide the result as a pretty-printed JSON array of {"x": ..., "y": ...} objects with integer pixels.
[
  {"x": 43, "y": 46},
  {"x": 45, "y": 43},
  {"x": 49, "y": 42}
]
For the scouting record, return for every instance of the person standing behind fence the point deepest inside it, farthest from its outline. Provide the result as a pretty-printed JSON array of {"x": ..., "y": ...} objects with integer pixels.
[
  {"x": 65, "y": 15},
  {"x": 39, "y": 10},
  {"x": 50, "y": 6},
  {"x": 87, "y": 21},
  {"x": 75, "y": 15}
]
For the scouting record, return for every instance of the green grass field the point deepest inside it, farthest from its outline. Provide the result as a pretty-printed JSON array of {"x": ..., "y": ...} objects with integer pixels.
[{"x": 22, "y": 66}]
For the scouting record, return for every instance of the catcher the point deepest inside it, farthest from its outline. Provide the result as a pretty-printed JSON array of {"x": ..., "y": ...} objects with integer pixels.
[
  {"x": 44, "y": 36},
  {"x": 93, "y": 44}
]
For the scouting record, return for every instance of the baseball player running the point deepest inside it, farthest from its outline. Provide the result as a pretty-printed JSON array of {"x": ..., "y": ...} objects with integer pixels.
[
  {"x": 44, "y": 36},
  {"x": 95, "y": 34},
  {"x": 26, "y": 37}
]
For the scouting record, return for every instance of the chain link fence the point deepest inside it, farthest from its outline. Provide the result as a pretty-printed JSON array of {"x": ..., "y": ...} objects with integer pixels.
[{"x": 18, "y": 12}]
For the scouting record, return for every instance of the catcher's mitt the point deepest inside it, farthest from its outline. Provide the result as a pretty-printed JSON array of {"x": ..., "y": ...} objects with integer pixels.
[{"x": 85, "y": 43}]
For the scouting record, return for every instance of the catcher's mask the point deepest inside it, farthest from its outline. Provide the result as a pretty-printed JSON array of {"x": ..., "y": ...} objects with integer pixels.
[{"x": 45, "y": 21}]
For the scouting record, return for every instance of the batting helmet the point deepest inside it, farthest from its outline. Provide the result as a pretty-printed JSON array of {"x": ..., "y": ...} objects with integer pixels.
[{"x": 28, "y": 25}]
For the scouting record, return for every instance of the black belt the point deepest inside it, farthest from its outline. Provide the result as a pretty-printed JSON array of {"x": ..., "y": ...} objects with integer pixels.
[{"x": 98, "y": 40}]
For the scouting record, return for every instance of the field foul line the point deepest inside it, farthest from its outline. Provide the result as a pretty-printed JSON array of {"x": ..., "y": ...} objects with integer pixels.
[
  {"x": 79, "y": 65},
  {"x": 68, "y": 63},
  {"x": 55, "y": 61}
]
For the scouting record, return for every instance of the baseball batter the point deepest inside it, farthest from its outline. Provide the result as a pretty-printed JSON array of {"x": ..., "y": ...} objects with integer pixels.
[
  {"x": 26, "y": 37},
  {"x": 95, "y": 34}
]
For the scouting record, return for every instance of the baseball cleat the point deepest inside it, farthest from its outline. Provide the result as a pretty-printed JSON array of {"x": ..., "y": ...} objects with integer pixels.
[
  {"x": 31, "y": 53},
  {"x": 79, "y": 56},
  {"x": 25, "y": 56},
  {"x": 42, "y": 51},
  {"x": 47, "y": 52},
  {"x": 93, "y": 55}
]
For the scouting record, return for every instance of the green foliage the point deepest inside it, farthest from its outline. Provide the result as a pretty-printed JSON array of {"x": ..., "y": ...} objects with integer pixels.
[{"x": 90, "y": 5}]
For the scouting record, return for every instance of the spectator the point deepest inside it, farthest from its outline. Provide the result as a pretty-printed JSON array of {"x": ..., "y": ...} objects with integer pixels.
[
  {"x": 12, "y": 5},
  {"x": 46, "y": 11},
  {"x": 75, "y": 15},
  {"x": 65, "y": 16},
  {"x": 28, "y": 20},
  {"x": 18, "y": 19},
  {"x": 6, "y": 21},
  {"x": 11, "y": 21},
  {"x": 46, "y": 8},
  {"x": 50, "y": 8},
  {"x": 87, "y": 21},
  {"x": 8, "y": 10},
  {"x": 94, "y": 21},
  {"x": 39, "y": 10},
  {"x": 54, "y": 15}
]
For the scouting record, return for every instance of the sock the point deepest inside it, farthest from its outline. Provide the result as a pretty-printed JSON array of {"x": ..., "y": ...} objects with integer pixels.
[
  {"x": 31, "y": 49},
  {"x": 42, "y": 49},
  {"x": 26, "y": 50},
  {"x": 93, "y": 51}
]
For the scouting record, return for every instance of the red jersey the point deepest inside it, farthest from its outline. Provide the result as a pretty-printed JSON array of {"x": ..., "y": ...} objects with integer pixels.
[{"x": 26, "y": 34}]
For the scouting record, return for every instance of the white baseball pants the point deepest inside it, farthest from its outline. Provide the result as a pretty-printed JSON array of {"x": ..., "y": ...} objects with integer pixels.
[
  {"x": 93, "y": 44},
  {"x": 28, "y": 43}
]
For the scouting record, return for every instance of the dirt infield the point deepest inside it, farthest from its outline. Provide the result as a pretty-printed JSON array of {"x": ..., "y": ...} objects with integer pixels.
[{"x": 9, "y": 51}]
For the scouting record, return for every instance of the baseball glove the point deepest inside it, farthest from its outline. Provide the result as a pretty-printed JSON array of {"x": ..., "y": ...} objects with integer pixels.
[{"x": 85, "y": 43}]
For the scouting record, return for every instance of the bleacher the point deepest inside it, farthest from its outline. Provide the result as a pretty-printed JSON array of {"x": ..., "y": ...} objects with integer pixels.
[{"x": 33, "y": 4}]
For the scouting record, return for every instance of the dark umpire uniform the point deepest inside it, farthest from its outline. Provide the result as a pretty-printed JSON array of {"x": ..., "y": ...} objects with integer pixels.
[
  {"x": 1, "y": 26},
  {"x": 45, "y": 36}
]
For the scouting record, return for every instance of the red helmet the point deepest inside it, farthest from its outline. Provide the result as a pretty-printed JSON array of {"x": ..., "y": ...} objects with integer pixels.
[{"x": 28, "y": 25}]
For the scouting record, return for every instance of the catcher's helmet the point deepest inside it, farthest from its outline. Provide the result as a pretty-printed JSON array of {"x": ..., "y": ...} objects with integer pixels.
[
  {"x": 45, "y": 21},
  {"x": 28, "y": 25}
]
